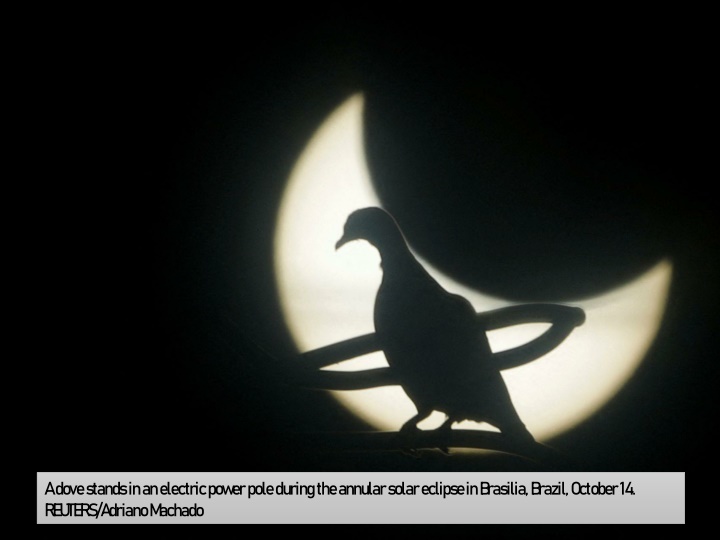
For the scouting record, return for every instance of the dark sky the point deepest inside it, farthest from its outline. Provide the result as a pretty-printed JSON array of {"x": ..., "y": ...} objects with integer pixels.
[{"x": 532, "y": 172}]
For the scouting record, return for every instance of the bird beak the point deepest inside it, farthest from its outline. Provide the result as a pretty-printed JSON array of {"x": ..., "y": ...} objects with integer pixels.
[{"x": 340, "y": 243}]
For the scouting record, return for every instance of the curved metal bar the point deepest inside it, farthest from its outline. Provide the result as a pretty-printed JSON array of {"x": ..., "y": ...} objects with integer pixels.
[
  {"x": 345, "y": 380},
  {"x": 544, "y": 456},
  {"x": 338, "y": 352},
  {"x": 562, "y": 318}
]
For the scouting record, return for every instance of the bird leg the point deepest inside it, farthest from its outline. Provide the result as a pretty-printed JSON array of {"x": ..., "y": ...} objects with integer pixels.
[
  {"x": 445, "y": 429},
  {"x": 408, "y": 431},
  {"x": 411, "y": 425}
]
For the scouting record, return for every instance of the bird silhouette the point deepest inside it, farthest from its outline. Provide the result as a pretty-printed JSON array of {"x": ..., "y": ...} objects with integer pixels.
[{"x": 431, "y": 337}]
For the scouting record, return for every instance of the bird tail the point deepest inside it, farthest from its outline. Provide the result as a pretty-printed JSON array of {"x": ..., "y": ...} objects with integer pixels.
[{"x": 518, "y": 433}]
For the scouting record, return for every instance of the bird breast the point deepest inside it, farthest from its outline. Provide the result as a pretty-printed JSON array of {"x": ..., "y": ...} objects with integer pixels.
[{"x": 425, "y": 328}]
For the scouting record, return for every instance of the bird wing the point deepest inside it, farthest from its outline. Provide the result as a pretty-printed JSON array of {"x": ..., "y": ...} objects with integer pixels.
[{"x": 431, "y": 337}]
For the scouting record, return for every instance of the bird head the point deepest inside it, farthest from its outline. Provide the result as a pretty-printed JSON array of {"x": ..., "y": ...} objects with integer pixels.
[{"x": 372, "y": 224}]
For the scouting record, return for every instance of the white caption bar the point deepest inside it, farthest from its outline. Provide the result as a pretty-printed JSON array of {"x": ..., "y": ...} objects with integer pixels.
[{"x": 367, "y": 497}]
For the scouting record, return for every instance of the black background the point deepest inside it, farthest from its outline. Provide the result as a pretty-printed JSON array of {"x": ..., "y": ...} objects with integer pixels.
[{"x": 165, "y": 152}]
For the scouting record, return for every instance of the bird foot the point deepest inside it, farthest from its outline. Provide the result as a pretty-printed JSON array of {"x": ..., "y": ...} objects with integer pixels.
[
  {"x": 407, "y": 437},
  {"x": 445, "y": 429}
]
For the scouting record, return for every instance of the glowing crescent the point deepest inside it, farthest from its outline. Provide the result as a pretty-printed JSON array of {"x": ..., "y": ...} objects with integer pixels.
[{"x": 328, "y": 296}]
